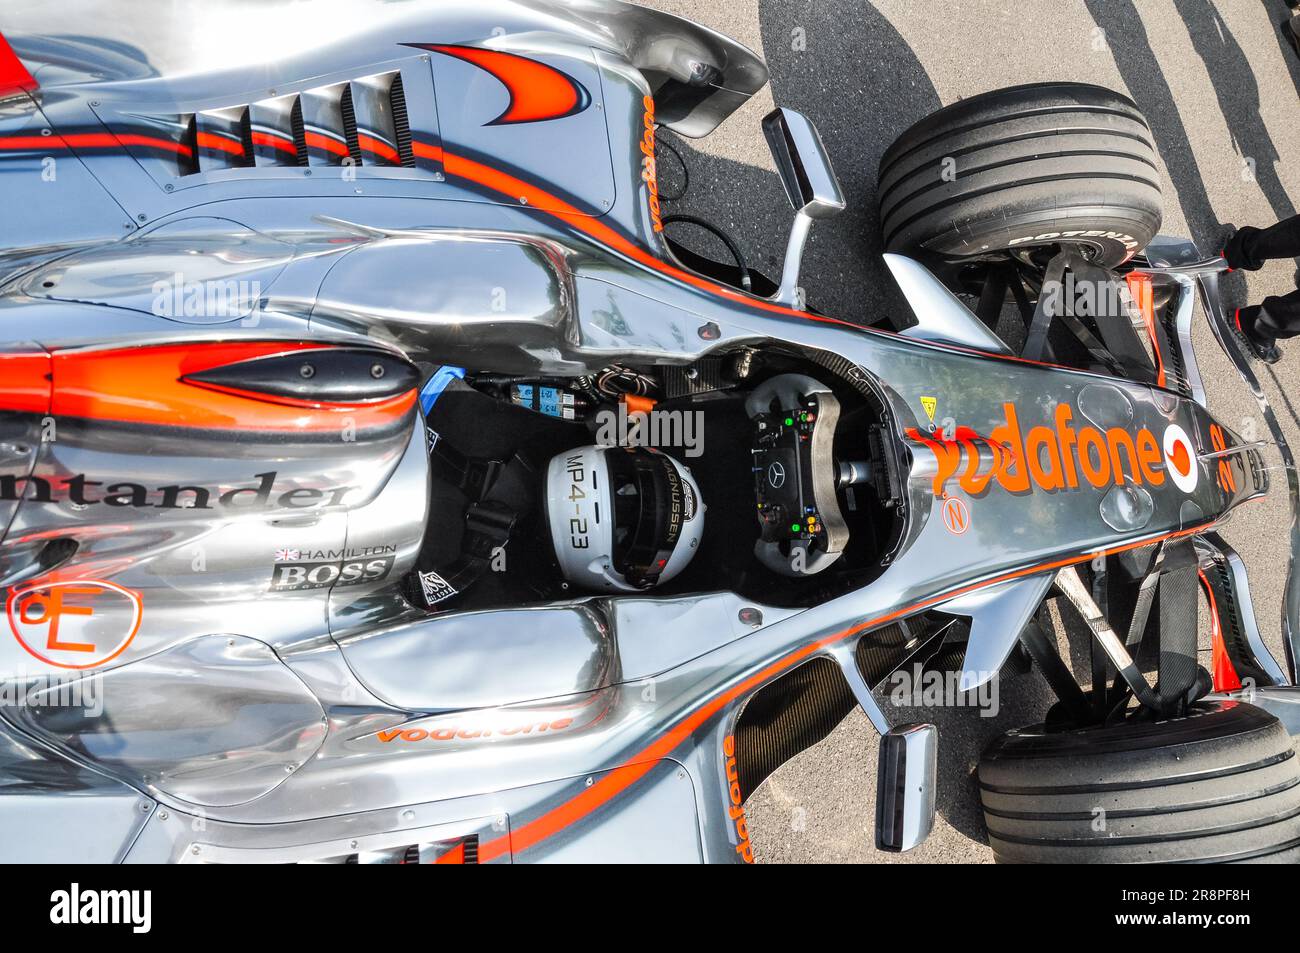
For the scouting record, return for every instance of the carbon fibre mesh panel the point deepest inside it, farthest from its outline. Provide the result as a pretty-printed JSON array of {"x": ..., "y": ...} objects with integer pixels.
[
  {"x": 1178, "y": 665},
  {"x": 1232, "y": 627},
  {"x": 803, "y": 706},
  {"x": 788, "y": 715}
]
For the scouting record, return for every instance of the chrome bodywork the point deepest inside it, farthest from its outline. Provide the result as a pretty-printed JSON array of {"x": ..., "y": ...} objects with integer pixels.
[{"x": 244, "y": 722}]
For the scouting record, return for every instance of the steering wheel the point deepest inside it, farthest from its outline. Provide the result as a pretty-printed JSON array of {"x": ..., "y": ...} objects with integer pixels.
[{"x": 803, "y": 529}]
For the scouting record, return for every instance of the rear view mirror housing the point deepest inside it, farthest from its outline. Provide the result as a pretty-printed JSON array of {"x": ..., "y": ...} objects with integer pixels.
[
  {"x": 905, "y": 786},
  {"x": 803, "y": 164},
  {"x": 810, "y": 184}
]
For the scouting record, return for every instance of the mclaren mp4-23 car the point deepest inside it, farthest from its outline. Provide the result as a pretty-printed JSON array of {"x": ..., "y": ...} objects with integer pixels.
[{"x": 379, "y": 483}]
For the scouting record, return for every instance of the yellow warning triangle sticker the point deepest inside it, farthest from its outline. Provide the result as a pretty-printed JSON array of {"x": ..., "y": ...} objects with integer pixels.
[{"x": 929, "y": 404}]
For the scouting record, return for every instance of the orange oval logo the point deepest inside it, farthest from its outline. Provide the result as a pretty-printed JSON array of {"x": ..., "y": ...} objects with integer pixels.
[
  {"x": 82, "y": 623},
  {"x": 956, "y": 516}
]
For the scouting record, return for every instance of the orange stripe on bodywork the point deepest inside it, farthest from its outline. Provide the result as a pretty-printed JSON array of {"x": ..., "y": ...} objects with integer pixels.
[
  {"x": 25, "y": 382},
  {"x": 454, "y": 856},
  {"x": 378, "y": 147},
  {"x": 424, "y": 150},
  {"x": 317, "y": 141},
  {"x": 274, "y": 142},
  {"x": 515, "y": 189},
  {"x": 91, "y": 140},
  {"x": 216, "y": 143},
  {"x": 131, "y": 139},
  {"x": 143, "y": 385},
  {"x": 619, "y": 778},
  {"x": 537, "y": 91}
]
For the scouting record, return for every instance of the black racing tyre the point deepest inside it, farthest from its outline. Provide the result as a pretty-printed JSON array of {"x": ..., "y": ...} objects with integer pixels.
[
  {"x": 1023, "y": 168},
  {"x": 1221, "y": 785}
]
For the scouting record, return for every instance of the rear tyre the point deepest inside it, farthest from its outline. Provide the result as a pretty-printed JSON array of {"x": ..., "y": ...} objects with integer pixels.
[
  {"x": 1221, "y": 785},
  {"x": 1023, "y": 168}
]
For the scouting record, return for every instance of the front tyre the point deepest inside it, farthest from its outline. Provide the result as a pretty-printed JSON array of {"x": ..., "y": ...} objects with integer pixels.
[
  {"x": 1027, "y": 168},
  {"x": 1221, "y": 785}
]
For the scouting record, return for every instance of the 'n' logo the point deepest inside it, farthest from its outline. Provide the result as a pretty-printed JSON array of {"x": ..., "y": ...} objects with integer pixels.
[{"x": 956, "y": 516}]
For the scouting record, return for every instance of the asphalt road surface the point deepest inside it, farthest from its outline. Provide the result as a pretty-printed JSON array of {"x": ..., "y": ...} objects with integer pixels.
[{"x": 1222, "y": 94}]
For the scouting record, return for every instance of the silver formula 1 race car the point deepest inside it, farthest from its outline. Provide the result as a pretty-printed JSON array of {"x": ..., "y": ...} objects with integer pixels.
[{"x": 378, "y": 483}]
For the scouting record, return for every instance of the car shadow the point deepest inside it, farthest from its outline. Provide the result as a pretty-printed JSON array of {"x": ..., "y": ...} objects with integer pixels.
[{"x": 833, "y": 69}]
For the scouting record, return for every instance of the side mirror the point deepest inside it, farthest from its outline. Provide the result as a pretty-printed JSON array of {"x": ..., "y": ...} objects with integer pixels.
[
  {"x": 907, "y": 769},
  {"x": 905, "y": 786},
  {"x": 803, "y": 164},
  {"x": 810, "y": 184}
]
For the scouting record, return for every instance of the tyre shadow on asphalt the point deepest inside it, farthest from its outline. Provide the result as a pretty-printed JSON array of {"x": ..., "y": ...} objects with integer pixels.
[{"x": 860, "y": 83}]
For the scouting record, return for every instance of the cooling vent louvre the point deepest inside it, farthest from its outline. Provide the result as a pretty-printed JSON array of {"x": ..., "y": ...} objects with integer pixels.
[
  {"x": 189, "y": 163},
  {"x": 350, "y": 125},
  {"x": 364, "y": 122},
  {"x": 246, "y": 137},
  {"x": 222, "y": 139},
  {"x": 401, "y": 122},
  {"x": 299, "y": 132},
  {"x": 462, "y": 850}
]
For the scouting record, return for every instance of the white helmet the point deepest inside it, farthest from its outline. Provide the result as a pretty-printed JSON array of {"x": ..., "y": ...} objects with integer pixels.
[{"x": 622, "y": 518}]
